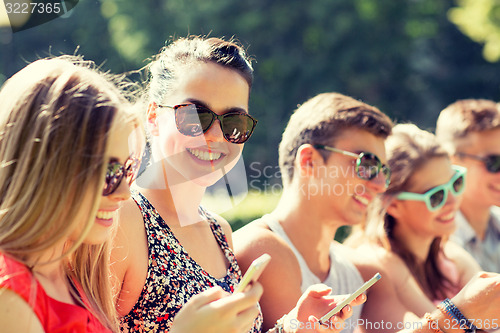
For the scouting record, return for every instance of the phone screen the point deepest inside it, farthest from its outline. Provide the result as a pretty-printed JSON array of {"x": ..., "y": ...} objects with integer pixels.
[
  {"x": 253, "y": 272},
  {"x": 351, "y": 297}
]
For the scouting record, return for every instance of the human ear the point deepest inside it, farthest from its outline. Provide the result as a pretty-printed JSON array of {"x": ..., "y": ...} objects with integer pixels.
[
  {"x": 153, "y": 119},
  {"x": 395, "y": 209},
  {"x": 307, "y": 158}
]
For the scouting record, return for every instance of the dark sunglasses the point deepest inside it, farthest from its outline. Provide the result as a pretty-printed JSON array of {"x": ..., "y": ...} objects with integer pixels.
[
  {"x": 368, "y": 165},
  {"x": 435, "y": 198},
  {"x": 194, "y": 120},
  {"x": 491, "y": 162},
  {"x": 117, "y": 171}
]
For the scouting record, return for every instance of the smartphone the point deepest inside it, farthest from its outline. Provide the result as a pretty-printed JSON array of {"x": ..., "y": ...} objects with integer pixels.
[
  {"x": 351, "y": 297},
  {"x": 253, "y": 272}
]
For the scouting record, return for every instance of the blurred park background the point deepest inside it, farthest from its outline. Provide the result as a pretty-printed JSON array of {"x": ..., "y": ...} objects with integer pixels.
[{"x": 409, "y": 58}]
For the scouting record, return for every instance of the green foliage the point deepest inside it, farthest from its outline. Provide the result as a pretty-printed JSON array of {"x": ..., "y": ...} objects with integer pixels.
[
  {"x": 253, "y": 206},
  {"x": 244, "y": 210},
  {"x": 480, "y": 20},
  {"x": 405, "y": 57}
]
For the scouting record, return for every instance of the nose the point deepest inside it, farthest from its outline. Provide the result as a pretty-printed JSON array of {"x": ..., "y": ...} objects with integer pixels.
[
  {"x": 122, "y": 192},
  {"x": 214, "y": 133},
  {"x": 451, "y": 199}
]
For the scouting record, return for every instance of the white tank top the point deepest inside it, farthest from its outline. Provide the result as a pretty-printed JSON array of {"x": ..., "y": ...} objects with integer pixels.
[{"x": 343, "y": 278}]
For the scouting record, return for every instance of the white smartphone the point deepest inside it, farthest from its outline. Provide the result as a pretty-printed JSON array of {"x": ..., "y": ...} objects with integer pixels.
[
  {"x": 253, "y": 272},
  {"x": 351, "y": 297}
]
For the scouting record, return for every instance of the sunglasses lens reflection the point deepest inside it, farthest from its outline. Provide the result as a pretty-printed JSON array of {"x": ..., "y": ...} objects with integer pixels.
[
  {"x": 116, "y": 172},
  {"x": 459, "y": 185},
  {"x": 437, "y": 198},
  {"x": 237, "y": 127},
  {"x": 493, "y": 163},
  {"x": 194, "y": 120},
  {"x": 190, "y": 120}
]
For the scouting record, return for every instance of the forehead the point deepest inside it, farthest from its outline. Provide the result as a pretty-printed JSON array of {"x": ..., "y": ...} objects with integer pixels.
[
  {"x": 481, "y": 143},
  {"x": 216, "y": 86},
  {"x": 436, "y": 171},
  {"x": 125, "y": 139}
]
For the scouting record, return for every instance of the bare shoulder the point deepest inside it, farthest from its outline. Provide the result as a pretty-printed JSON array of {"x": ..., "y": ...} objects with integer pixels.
[
  {"x": 371, "y": 258},
  {"x": 226, "y": 227},
  {"x": 255, "y": 239},
  {"x": 467, "y": 266},
  {"x": 129, "y": 256},
  {"x": 12, "y": 308},
  {"x": 129, "y": 233},
  {"x": 282, "y": 277}
]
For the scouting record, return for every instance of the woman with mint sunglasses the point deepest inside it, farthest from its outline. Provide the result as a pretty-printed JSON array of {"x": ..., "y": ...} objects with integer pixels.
[{"x": 408, "y": 225}]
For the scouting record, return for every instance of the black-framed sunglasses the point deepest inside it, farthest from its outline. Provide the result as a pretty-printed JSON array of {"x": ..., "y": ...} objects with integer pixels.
[
  {"x": 491, "y": 162},
  {"x": 368, "y": 165},
  {"x": 117, "y": 171},
  {"x": 195, "y": 120}
]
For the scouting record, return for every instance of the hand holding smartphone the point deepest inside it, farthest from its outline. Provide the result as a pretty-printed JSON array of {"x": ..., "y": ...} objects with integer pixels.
[
  {"x": 253, "y": 272},
  {"x": 351, "y": 297}
]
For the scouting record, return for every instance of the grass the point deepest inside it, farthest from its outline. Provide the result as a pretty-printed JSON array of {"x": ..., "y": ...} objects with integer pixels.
[{"x": 241, "y": 210}]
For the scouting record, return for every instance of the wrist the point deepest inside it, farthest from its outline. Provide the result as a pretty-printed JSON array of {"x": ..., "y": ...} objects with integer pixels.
[
  {"x": 456, "y": 317},
  {"x": 448, "y": 319},
  {"x": 279, "y": 326}
]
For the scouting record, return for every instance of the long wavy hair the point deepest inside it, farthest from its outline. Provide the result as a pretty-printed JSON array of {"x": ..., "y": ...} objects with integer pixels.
[
  {"x": 54, "y": 125},
  {"x": 408, "y": 148}
]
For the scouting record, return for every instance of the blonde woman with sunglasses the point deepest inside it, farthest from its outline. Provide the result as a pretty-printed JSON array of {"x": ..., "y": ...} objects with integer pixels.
[
  {"x": 169, "y": 249},
  {"x": 65, "y": 166}
]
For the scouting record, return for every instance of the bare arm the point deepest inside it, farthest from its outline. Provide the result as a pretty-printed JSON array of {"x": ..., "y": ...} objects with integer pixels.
[
  {"x": 282, "y": 277},
  {"x": 385, "y": 299},
  {"x": 129, "y": 257},
  {"x": 16, "y": 315},
  {"x": 466, "y": 264}
]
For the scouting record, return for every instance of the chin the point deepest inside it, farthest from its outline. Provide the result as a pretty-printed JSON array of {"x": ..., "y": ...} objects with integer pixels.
[
  {"x": 97, "y": 237},
  {"x": 208, "y": 179}
]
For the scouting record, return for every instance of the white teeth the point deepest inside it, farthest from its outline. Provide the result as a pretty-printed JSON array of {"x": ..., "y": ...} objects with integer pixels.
[
  {"x": 448, "y": 216},
  {"x": 204, "y": 155},
  {"x": 363, "y": 200},
  {"x": 105, "y": 215}
]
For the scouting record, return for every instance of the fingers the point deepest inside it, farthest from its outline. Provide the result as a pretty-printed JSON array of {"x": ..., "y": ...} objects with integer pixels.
[
  {"x": 248, "y": 316},
  {"x": 358, "y": 300},
  {"x": 335, "y": 323},
  {"x": 345, "y": 313},
  {"x": 318, "y": 290},
  {"x": 487, "y": 274},
  {"x": 241, "y": 301},
  {"x": 208, "y": 296}
]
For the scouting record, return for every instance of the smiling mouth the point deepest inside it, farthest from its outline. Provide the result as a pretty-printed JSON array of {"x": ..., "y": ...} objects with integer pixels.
[
  {"x": 204, "y": 155},
  {"x": 105, "y": 215},
  {"x": 361, "y": 199},
  {"x": 448, "y": 216}
]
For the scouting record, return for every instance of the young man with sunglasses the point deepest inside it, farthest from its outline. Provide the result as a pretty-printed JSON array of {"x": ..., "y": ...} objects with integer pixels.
[
  {"x": 332, "y": 163},
  {"x": 332, "y": 159},
  {"x": 471, "y": 131}
]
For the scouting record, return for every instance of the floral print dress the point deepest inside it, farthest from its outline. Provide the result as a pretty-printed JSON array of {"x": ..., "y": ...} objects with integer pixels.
[{"x": 173, "y": 276}]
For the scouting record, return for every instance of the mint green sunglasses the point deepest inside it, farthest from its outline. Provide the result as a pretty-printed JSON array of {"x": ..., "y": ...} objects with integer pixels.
[{"x": 436, "y": 197}]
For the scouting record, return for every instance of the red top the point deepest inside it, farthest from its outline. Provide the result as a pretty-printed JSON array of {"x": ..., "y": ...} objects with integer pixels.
[{"x": 55, "y": 316}]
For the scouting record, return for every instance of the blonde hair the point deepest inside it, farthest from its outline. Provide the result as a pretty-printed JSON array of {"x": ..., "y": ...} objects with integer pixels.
[{"x": 56, "y": 117}]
